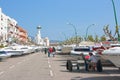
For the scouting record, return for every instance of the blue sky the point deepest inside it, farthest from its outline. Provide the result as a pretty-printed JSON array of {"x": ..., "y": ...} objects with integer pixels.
[{"x": 53, "y": 16}]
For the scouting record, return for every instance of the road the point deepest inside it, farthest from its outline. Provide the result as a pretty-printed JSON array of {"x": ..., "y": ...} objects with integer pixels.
[{"x": 38, "y": 66}]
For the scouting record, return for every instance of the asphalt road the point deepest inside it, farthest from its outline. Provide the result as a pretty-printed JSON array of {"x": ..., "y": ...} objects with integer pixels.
[
  {"x": 38, "y": 66},
  {"x": 28, "y": 67}
]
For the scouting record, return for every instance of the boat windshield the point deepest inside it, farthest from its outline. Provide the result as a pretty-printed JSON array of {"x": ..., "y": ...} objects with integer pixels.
[
  {"x": 2, "y": 52},
  {"x": 82, "y": 49}
]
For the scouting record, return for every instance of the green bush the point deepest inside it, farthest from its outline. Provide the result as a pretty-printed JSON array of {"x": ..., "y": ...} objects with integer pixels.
[{"x": 1, "y": 46}]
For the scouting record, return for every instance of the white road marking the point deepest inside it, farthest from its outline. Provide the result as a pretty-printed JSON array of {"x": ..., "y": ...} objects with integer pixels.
[
  {"x": 1, "y": 72},
  {"x": 49, "y": 66},
  {"x": 51, "y": 73},
  {"x": 12, "y": 66}
]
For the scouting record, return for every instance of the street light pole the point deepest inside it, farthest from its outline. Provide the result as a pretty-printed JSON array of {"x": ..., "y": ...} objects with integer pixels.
[
  {"x": 87, "y": 31},
  {"x": 117, "y": 30},
  {"x": 74, "y": 30}
]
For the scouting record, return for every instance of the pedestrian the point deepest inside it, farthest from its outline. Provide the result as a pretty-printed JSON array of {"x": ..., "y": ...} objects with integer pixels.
[
  {"x": 45, "y": 50},
  {"x": 50, "y": 50},
  {"x": 93, "y": 61},
  {"x": 54, "y": 51},
  {"x": 85, "y": 62}
]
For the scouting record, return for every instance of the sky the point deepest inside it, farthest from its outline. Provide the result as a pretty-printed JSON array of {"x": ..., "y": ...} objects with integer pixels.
[{"x": 53, "y": 16}]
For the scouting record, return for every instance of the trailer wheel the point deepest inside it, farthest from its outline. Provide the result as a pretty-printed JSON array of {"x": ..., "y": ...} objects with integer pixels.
[
  {"x": 69, "y": 65},
  {"x": 119, "y": 68},
  {"x": 99, "y": 66},
  {"x": 78, "y": 68}
]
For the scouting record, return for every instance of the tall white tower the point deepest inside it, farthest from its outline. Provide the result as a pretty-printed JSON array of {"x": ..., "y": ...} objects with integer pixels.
[
  {"x": 38, "y": 38},
  {"x": 39, "y": 34}
]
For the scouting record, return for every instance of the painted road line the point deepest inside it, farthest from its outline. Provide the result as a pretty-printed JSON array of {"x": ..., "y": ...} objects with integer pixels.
[
  {"x": 12, "y": 66},
  {"x": 49, "y": 66},
  {"x": 51, "y": 73},
  {"x": 1, "y": 72}
]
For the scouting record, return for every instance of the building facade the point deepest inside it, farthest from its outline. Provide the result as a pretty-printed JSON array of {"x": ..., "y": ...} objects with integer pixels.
[
  {"x": 39, "y": 40},
  {"x": 21, "y": 35},
  {"x": 9, "y": 30}
]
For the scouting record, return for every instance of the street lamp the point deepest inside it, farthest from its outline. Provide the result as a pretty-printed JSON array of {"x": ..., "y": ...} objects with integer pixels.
[
  {"x": 74, "y": 30},
  {"x": 87, "y": 31},
  {"x": 117, "y": 31}
]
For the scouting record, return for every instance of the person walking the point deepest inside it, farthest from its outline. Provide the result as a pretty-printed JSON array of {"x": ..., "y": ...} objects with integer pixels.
[
  {"x": 93, "y": 61},
  {"x": 85, "y": 61},
  {"x": 54, "y": 50},
  {"x": 45, "y": 50},
  {"x": 50, "y": 50}
]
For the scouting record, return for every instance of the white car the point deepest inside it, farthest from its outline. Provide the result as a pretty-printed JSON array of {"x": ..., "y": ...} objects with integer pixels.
[
  {"x": 82, "y": 50},
  {"x": 77, "y": 52}
]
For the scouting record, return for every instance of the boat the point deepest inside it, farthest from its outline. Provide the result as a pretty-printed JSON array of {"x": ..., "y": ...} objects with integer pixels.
[
  {"x": 27, "y": 49},
  {"x": 3, "y": 55},
  {"x": 10, "y": 51},
  {"x": 112, "y": 54}
]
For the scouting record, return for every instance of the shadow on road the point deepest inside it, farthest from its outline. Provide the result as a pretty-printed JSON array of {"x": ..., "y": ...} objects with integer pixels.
[
  {"x": 97, "y": 78},
  {"x": 82, "y": 70}
]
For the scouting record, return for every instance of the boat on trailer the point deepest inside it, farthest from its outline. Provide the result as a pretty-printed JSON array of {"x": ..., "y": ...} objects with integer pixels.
[{"x": 112, "y": 54}]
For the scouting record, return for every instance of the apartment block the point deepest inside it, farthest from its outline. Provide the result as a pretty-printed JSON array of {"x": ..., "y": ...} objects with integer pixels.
[{"x": 10, "y": 31}]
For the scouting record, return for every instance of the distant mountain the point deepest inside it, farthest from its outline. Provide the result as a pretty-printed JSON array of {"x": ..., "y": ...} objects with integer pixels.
[{"x": 55, "y": 41}]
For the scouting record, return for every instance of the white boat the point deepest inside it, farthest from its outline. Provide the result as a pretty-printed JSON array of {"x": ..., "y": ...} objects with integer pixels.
[
  {"x": 112, "y": 54},
  {"x": 27, "y": 49},
  {"x": 3, "y": 55},
  {"x": 10, "y": 51}
]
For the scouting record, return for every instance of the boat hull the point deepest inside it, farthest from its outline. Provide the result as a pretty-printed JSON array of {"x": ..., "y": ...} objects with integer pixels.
[{"x": 112, "y": 54}]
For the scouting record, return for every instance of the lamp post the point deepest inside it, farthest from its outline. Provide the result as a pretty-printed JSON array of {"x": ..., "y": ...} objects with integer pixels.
[
  {"x": 117, "y": 30},
  {"x": 64, "y": 36},
  {"x": 74, "y": 30},
  {"x": 87, "y": 31}
]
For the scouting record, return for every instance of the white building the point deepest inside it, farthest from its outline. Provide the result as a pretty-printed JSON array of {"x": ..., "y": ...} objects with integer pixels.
[
  {"x": 9, "y": 31},
  {"x": 3, "y": 26},
  {"x": 7, "y": 27},
  {"x": 47, "y": 42},
  {"x": 39, "y": 40}
]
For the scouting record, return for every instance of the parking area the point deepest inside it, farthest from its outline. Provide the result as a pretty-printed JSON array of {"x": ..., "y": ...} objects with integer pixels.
[{"x": 60, "y": 72}]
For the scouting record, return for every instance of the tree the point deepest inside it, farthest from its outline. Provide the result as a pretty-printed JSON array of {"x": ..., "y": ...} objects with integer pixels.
[
  {"x": 103, "y": 38},
  {"x": 108, "y": 32},
  {"x": 96, "y": 38},
  {"x": 90, "y": 38}
]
